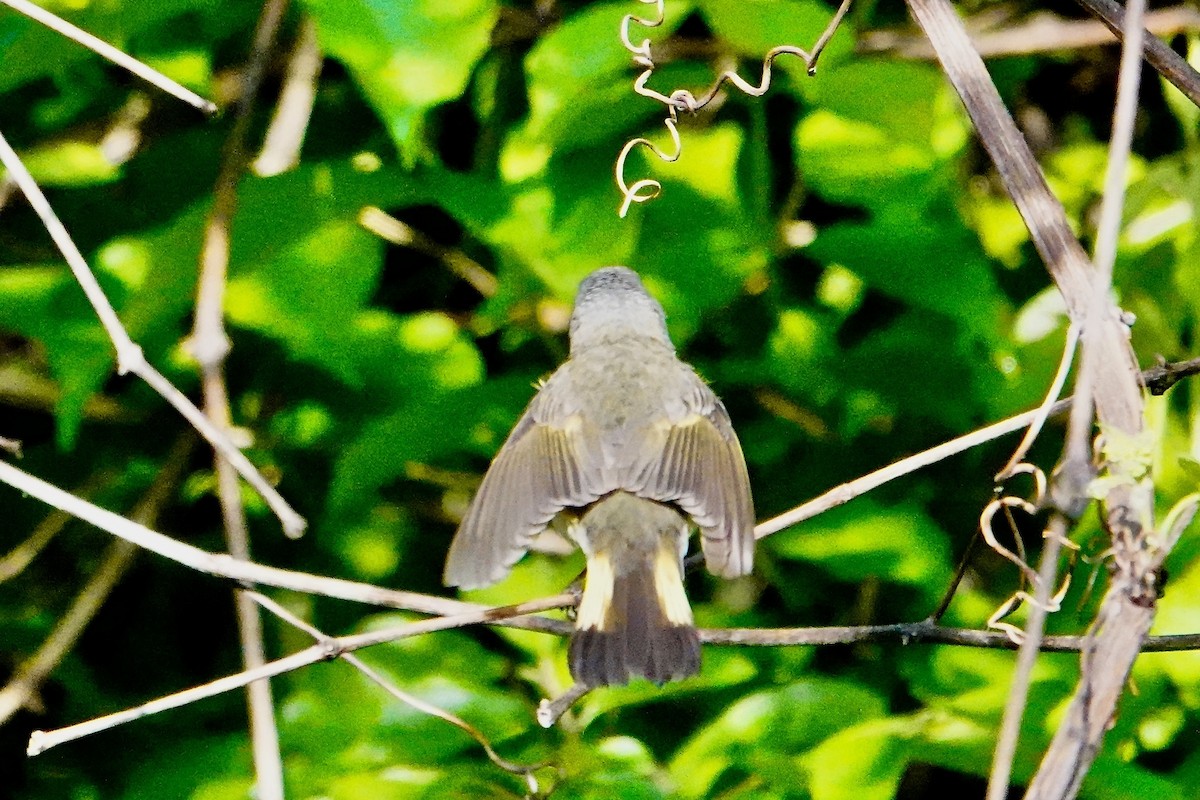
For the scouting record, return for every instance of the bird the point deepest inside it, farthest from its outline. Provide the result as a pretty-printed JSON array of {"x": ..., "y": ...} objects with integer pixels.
[{"x": 630, "y": 447}]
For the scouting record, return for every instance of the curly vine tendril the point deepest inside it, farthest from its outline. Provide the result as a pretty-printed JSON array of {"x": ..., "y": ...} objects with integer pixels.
[{"x": 683, "y": 100}]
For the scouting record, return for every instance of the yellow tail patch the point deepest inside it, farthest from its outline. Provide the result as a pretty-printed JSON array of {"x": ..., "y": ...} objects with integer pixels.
[
  {"x": 668, "y": 586},
  {"x": 597, "y": 593}
]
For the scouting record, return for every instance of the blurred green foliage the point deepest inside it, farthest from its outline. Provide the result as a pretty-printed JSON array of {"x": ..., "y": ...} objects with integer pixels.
[{"x": 836, "y": 258}]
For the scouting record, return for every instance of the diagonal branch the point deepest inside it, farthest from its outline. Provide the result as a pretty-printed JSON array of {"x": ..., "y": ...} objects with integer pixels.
[
  {"x": 106, "y": 50},
  {"x": 41, "y": 741},
  {"x": 130, "y": 357},
  {"x": 117, "y": 557}
]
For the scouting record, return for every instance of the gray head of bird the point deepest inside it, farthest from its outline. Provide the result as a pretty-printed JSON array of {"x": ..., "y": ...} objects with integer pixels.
[{"x": 611, "y": 305}]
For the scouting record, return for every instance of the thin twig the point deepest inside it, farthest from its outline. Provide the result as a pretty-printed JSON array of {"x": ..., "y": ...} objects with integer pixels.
[
  {"x": 859, "y": 486},
  {"x": 285, "y": 134},
  {"x": 551, "y": 711},
  {"x": 41, "y": 741},
  {"x": 225, "y": 566},
  {"x": 1159, "y": 55},
  {"x": 114, "y": 55},
  {"x": 29, "y": 676},
  {"x": 16, "y": 560},
  {"x": 1129, "y": 506},
  {"x": 1031, "y": 646},
  {"x": 210, "y": 344},
  {"x": 222, "y": 565},
  {"x": 130, "y": 358},
  {"x": 1040, "y": 32},
  {"x": 387, "y": 227},
  {"x": 404, "y": 697}
]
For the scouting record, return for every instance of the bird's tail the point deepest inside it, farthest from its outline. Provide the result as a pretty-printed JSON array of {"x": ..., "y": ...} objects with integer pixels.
[{"x": 635, "y": 623}]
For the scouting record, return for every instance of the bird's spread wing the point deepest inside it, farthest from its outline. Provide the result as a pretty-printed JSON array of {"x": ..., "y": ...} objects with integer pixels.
[
  {"x": 537, "y": 473},
  {"x": 697, "y": 463},
  {"x": 555, "y": 459}
]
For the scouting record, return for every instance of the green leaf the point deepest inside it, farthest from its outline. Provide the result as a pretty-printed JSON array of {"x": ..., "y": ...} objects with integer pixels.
[
  {"x": 586, "y": 51},
  {"x": 407, "y": 57},
  {"x": 863, "y": 762},
  {"x": 305, "y": 296},
  {"x": 69, "y": 163},
  {"x": 786, "y": 721},
  {"x": 754, "y": 27},
  {"x": 863, "y": 540}
]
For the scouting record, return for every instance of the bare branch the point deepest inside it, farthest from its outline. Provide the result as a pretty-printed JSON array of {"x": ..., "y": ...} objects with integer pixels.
[
  {"x": 859, "y": 486},
  {"x": 106, "y": 50},
  {"x": 1129, "y": 504},
  {"x": 1040, "y": 32},
  {"x": 404, "y": 697},
  {"x": 29, "y": 676},
  {"x": 41, "y": 741},
  {"x": 1169, "y": 64},
  {"x": 130, "y": 357},
  {"x": 225, "y": 566},
  {"x": 210, "y": 344}
]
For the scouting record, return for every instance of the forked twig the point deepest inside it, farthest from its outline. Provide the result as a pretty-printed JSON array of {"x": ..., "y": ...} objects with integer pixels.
[
  {"x": 32, "y": 673},
  {"x": 404, "y": 697},
  {"x": 41, "y": 741},
  {"x": 130, "y": 358}
]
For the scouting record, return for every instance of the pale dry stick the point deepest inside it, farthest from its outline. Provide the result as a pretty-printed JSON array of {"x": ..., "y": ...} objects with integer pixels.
[
  {"x": 1113, "y": 203},
  {"x": 285, "y": 134},
  {"x": 106, "y": 50},
  {"x": 41, "y": 741},
  {"x": 387, "y": 227},
  {"x": 1041, "y": 32},
  {"x": 223, "y": 565},
  {"x": 30, "y": 674},
  {"x": 210, "y": 345},
  {"x": 1074, "y": 745},
  {"x": 1118, "y": 398},
  {"x": 1160, "y": 378},
  {"x": 466, "y": 613},
  {"x": 1119, "y": 401},
  {"x": 379, "y": 680},
  {"x": 130, "y": 358},
  {"x": 1018, "y": 694},
  {"x": 859, "y": 486},
  {"x": 551, "y": 711}
]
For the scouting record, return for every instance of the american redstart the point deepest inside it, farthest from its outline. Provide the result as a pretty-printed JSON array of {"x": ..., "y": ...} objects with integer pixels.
[{"x": 629, "y": 443}]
